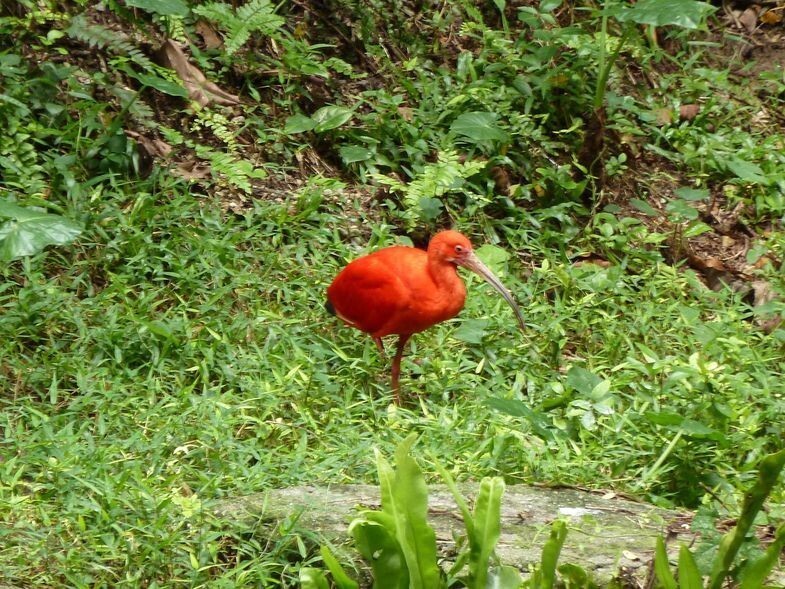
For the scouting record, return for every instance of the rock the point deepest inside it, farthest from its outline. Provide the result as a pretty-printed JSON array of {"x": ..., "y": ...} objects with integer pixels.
[{"x": 608, "y": 536}]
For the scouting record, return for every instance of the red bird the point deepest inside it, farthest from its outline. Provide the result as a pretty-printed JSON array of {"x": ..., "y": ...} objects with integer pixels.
[{"x": 403, "y": 290}]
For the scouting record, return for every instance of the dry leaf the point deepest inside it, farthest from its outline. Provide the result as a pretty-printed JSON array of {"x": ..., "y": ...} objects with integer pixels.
[
  {"x": 749, "y": 19},
  {"x": 152, "y": 147},
  {"x": 406, "y": 113},
  {"x": 687, "y": 112},
  {"x": 727, "y": 241},
  {"x": 630, "y": 555},
  {"x": 192, "y": 170},
  {"x": 771, "y": 17},
  {"x": 664, "y": 116},
  {"x": 762, "y": 261},
  {"x": 592, "y": 260},
  {"x": 208, "y": 35},
  {"x": 764, "y": 293},
  {"x": 707, "y": 263},
  {"x": 200, "y": 89}
]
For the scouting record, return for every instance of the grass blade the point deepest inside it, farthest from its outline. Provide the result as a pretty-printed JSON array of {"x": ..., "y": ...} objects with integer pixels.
[
  {"x": 662, "y": 567},
  {"x": 341, "y": 579},
  {"x": 487, "y": 529},
  {"x": 550, "y": 554},
  {"x": 689, "y": 575}
]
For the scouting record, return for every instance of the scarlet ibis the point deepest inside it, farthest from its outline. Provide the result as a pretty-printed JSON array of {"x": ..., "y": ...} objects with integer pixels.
[{"x": 402, "y": 290}]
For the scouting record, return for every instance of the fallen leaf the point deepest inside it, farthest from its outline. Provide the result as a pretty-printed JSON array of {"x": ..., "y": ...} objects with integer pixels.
[
  {"x": 630, "y": 555},
  {"x": 727, "y": 241},
  {"x": 208, "y": 35},
  {"x": 200, "y": 89},
  {"x": 707, "y": 263},
  {"x": 763, "y": 294},
  {"x": 687, "y": 112},
  {"x": 663, "y": 116},
  {"x": 406, "y": 113},
  {"x": 153, "y": 147},
  {"x": 762, "y": 261},
  {"x": 192, "y": 170},
  {"x": 592, "y": 262},
  {"x": 749, "y": 19},
  {"x": 771, "y": 17}
]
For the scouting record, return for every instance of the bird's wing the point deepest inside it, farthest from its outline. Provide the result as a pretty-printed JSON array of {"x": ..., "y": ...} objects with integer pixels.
[{"x": 367, "y": 294}]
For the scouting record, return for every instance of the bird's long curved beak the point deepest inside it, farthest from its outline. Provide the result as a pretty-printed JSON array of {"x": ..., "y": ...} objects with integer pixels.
[{"x": 473, "y": 263}]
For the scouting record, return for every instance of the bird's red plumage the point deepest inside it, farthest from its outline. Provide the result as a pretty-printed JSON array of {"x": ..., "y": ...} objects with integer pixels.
[
  {"x": 397, "y": 290},
  {"x": 401, "y": 290}
]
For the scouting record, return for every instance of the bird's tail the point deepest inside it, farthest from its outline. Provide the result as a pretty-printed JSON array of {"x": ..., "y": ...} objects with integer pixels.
[{"x": 329, "y": 307}]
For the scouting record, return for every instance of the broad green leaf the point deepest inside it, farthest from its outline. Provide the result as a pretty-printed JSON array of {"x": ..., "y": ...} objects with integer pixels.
[
  {"x": 662, "y": 567},
  {"x": 311, "y": 578},
  {"x": 159, "y": 83},
  {"x": 493, "y": 256},
  {"x": 478, "y": 126},
  {"x": 487, "y": 529},
  {"x": 417, "y": 539},
  {"x": 575, "y": 576},
  {"x": 697, "y": 429},
  {"x": 681, "y": 209},
  {"x": 504, "y": 577},
  {"x": 696, "y": 229},
  {"x": 644, "y": 207},
  {"x": 692, "y": 194},
  {"x": 754, "y": 573},
  {"x": 471, "y": 331},
  {"x": 678, "y": 422},
  {"x": 550, "y": 553},
  {"x": 29, "y": 231},
  {"x": 659, "y": 13},
  {"x": 354, "y": 153},
  {"x": 664, "y": 418},
  {"x": 549, "y": 5},
  {"x": 689, "y": 575},
  {"x": 162, "y": 7},
  {"x": 340, "y": 578},
  {"x": 582, "y": 380},
  {"x": 374, "y": 538},
  {"x": 430, "y": 208},
  {"x": 298, "y": 124},
  {"x": 747, "y": 171},
  {"x": 468, "y": 519},
  {"x": 520, "y": 409},
  {"x": 331, "y": 117}
]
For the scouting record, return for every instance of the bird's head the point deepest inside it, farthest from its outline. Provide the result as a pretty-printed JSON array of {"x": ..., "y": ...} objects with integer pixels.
[{"x": 455, "y": 248}]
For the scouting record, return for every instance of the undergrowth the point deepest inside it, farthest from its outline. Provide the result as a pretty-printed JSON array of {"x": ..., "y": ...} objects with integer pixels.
[{"x": 163, "y": 344}]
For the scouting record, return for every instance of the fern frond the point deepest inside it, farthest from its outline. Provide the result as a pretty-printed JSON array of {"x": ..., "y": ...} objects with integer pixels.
[
  {"x": 257, "y": 16},
  {"x": 98, "y": 36},
  {"x": 230, "y": 170},
  {"x": 219, "y": 125},
  {"x": 435, "y": 180}
]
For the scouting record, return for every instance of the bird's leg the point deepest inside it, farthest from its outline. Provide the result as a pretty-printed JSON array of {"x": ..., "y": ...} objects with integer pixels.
[
  {"x": 396, "y": 367},
  {"x": 380, "y": 346}
]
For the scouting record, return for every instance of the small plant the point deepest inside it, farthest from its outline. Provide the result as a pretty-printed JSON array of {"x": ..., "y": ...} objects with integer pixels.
[
  {"x": 28, "y": 230},
  {"x": 400, "y": 545},
  {"x": 421, "y": 196},
  {"x": 750, "y": 574},
  {"x": 257, "y": 16}
]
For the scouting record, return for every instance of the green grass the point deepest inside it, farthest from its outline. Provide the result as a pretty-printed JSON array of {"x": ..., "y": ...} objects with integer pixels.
[
  {"x": 177, "y": 353},
  {"x": 204, "y": 367}
]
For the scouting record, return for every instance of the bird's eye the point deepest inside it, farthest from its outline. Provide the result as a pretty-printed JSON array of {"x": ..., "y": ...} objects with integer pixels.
[{"x": 458, "y": 249}]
